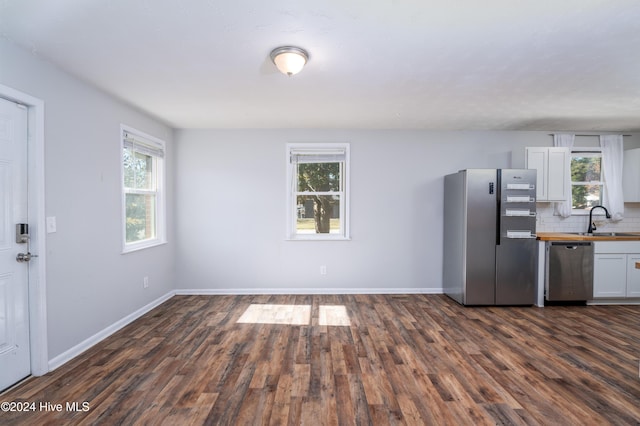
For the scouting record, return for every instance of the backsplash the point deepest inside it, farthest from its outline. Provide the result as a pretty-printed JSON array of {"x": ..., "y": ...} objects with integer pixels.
[{"x": 547, "y": 222}]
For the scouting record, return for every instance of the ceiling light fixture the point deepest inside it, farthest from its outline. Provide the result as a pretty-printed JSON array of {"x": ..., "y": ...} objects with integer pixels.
[{"x": 289, "y": 59}]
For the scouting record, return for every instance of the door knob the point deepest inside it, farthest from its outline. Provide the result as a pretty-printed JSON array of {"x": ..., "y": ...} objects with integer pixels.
[{"x": 25, "y": 257}]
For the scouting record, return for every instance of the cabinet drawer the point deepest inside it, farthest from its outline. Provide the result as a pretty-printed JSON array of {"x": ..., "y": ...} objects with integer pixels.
[{"x": 616, "y": 247}]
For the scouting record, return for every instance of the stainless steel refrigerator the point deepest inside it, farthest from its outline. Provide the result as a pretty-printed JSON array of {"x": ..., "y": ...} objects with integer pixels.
[{"x": 490, "y": 248}]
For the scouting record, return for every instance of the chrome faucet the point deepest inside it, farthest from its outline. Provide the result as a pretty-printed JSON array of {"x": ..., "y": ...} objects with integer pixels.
[{"x": 592, "y": 226}]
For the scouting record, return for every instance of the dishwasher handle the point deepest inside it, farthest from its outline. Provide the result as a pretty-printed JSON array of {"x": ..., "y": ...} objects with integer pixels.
[{"x": 572, "y": 245}]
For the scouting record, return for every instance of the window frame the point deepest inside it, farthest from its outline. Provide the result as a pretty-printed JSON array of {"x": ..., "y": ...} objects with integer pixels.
[
  {"x": 292, "y": 193},
  {"x": 587, "y": 152},
  {"x": 160, "y": 189}
]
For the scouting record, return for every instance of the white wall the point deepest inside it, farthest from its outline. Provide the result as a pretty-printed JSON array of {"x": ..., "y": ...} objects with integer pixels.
[
  {"x": 231, "y": 190},
  {"x": 90, "y": 284}
]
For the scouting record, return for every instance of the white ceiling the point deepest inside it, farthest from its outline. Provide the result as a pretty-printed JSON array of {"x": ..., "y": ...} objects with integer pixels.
[{"x": 418, "y": 64}]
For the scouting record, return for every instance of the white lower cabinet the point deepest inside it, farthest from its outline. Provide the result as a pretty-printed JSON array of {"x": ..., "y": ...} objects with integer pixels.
[
  {"x": 614, "y": 270},
  {"x": 633, "y": 275},
  {"x": 609, "y": 275}
]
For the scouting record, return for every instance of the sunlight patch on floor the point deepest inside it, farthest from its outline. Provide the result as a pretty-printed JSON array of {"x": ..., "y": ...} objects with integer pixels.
[
  {"x": 276, "y": 314},
  {"x": 333, "y": 315}
]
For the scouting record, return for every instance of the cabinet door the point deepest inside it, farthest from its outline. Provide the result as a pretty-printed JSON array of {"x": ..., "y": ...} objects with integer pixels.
[
  {"x": 610, "y": 275},
  {"x": 631, "y": 176},
  {"x": 558, "y": 174},
  {"x": 537, "y": 158},
  {"x": 633, "y": 275}
]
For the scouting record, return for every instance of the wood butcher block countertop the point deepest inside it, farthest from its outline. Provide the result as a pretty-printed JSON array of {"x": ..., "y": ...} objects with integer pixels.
[{"x": 561, "y": 236}]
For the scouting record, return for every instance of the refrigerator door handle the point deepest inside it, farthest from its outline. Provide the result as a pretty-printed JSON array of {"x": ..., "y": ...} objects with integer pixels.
[{"x": 524, "y": 235}]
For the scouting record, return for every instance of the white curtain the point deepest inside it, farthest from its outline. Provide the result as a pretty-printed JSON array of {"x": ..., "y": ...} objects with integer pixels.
[
  {"x": 612, "y": 161},
  {"x": 563, "y": 208}
]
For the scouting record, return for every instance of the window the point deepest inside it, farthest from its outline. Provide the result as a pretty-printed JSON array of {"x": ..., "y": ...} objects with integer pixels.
[
  {"x": 587, "y": 180},
  {"x": 318, "y": 194},
  {"x": 142, "y": 190}
]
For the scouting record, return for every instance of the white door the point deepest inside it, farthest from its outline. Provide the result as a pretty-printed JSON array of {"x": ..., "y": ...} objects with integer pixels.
[{"x": 15, "y": 360}]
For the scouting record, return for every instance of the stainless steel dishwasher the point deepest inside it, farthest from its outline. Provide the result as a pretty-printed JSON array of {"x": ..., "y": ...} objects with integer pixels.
[{"x": 569, "y": 271}]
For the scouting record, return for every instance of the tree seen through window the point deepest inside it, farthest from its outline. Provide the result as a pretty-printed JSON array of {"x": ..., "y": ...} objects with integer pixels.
[
  {"x": 316, "y": 182},
  {"x": 586, "y": 178}
]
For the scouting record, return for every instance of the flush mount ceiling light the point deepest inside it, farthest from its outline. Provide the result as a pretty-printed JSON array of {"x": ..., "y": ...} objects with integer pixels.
[{"x": 289, "y": 59}]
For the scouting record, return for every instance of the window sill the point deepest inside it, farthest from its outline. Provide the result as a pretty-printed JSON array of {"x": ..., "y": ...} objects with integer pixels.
[
  {"x": 314, "y": 238},
  {"x": 141, "y": 246},
  {"x": 598, "y": 213}
]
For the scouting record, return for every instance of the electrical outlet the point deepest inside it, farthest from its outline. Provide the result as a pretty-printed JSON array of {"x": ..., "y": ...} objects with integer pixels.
[
  {"x": 145, "y": 282},
  {"x": 323, "y": 269}
]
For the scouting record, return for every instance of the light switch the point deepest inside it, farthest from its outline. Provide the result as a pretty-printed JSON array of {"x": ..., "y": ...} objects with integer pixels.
[{"x": 51, "y": 224}]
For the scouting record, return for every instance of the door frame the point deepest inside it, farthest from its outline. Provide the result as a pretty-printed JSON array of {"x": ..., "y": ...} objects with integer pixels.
[{"x": 36, "y": 212}]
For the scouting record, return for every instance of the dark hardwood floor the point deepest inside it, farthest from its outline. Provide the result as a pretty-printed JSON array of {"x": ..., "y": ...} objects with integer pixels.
[{"x": 404, "y": 359}]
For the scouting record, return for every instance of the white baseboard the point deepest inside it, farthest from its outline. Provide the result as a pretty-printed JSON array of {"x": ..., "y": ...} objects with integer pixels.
[
  {"x": 621, "y": 301},
  {"x": 262, "y": 291},
  {"x": 103, "y": 334}
]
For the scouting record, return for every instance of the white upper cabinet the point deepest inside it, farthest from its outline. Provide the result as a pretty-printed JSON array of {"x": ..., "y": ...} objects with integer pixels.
[
  {"x": 631, "y": 176},
  {"x": 554, "y": 169}
]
